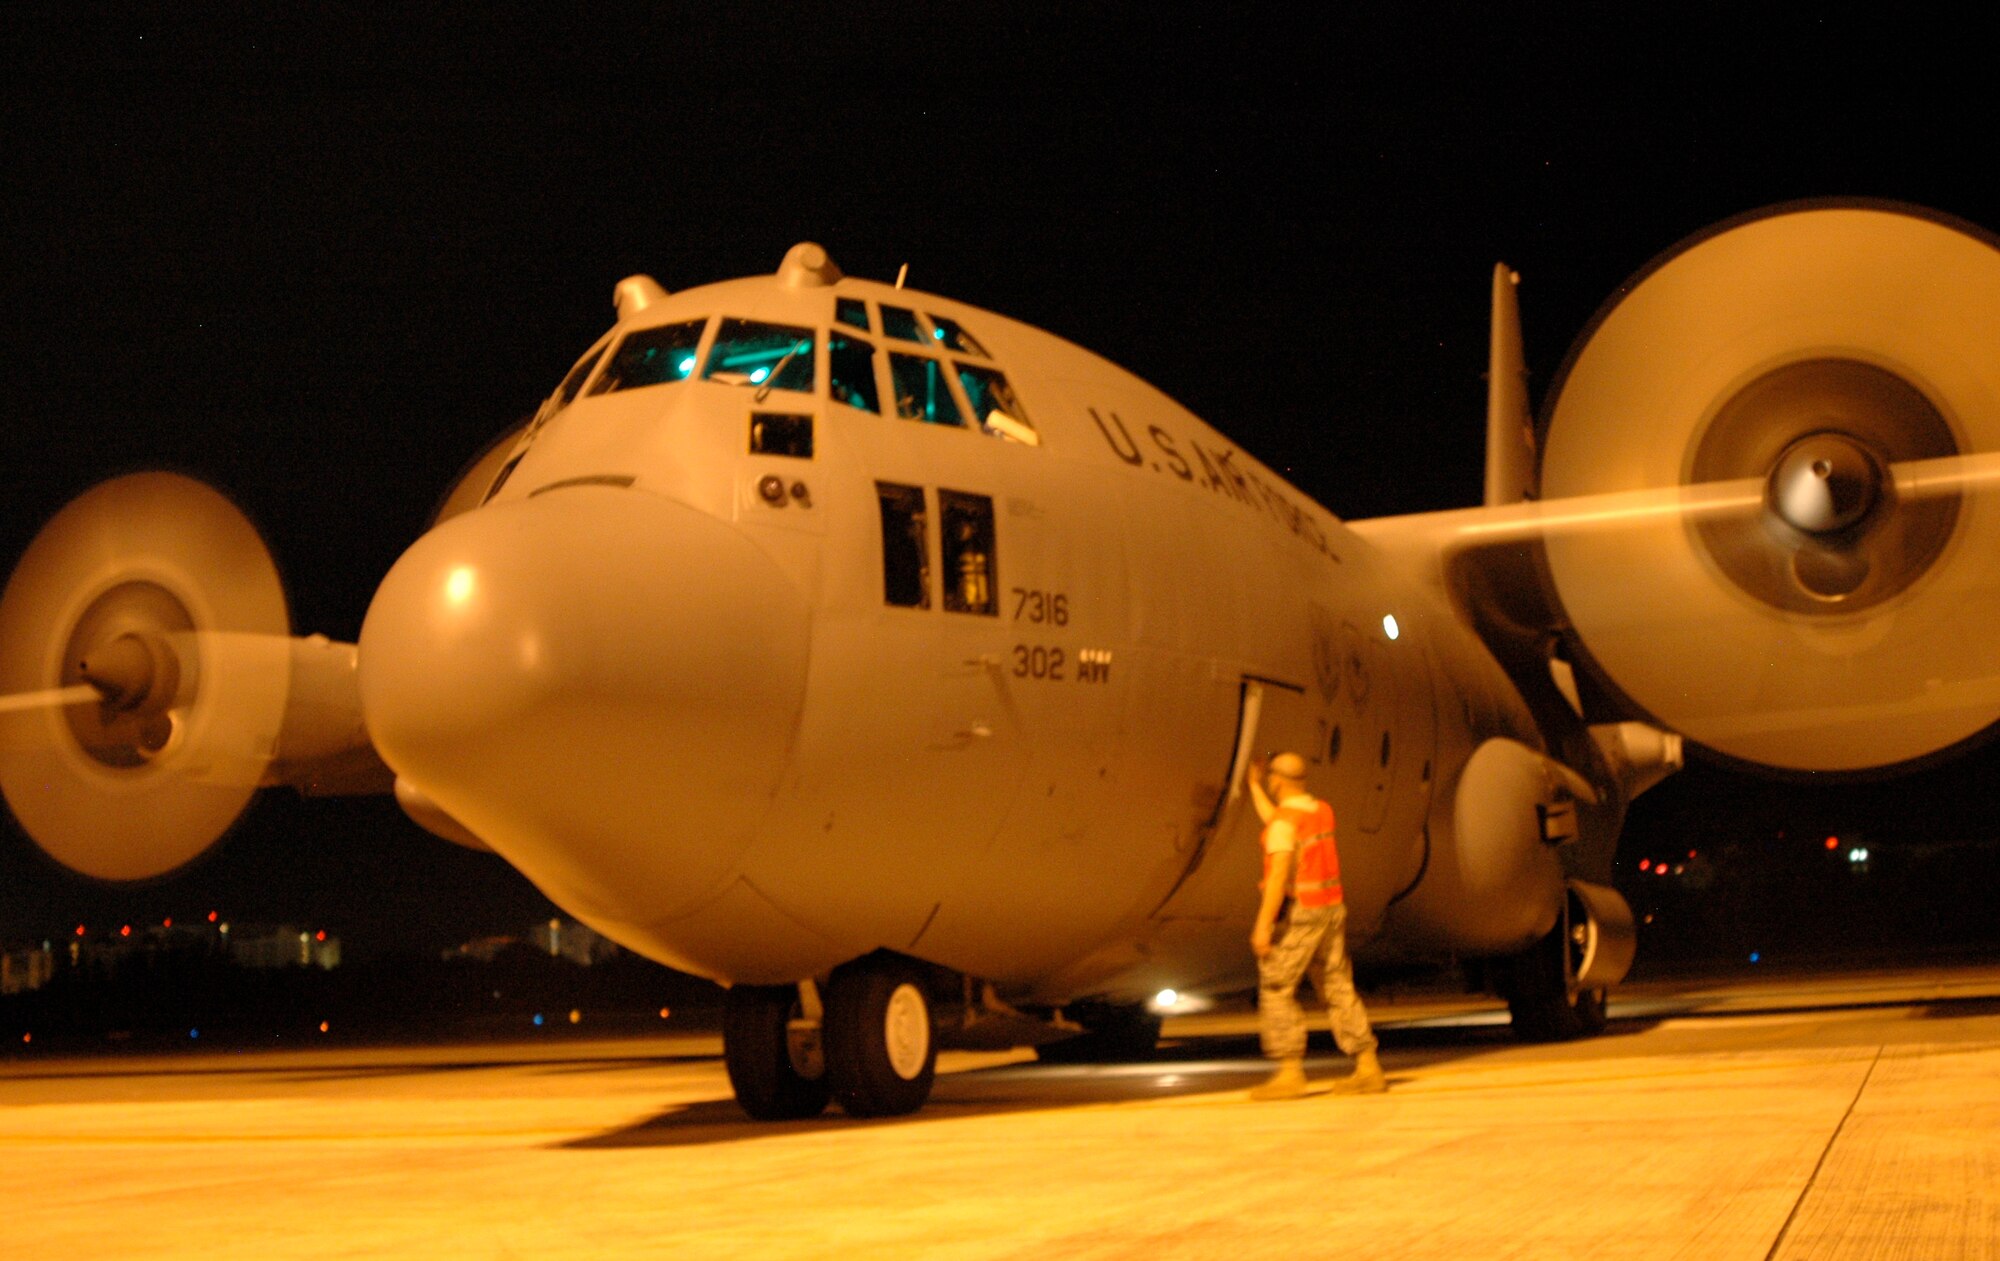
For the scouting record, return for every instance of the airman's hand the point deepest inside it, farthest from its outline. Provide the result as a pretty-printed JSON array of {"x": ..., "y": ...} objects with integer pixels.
[{"x": 1260, "y": 940}]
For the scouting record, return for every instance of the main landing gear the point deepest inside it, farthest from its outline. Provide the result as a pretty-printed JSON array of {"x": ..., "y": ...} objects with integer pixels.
[
  {"x": 870, "y": 1043},
  {"x": 1545, "y": 985}
]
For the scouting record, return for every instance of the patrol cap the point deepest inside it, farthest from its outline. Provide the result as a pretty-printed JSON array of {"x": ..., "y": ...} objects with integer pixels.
[{"x": 1290, "y": 766}]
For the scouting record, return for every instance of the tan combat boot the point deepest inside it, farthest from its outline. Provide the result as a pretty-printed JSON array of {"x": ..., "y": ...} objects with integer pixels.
[
  {"x": 1289, "y": 1082},
  {"x": 1366, "y": 1079}
]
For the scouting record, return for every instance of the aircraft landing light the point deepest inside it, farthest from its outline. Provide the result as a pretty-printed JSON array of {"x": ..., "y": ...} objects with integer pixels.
[{"x": 1389, "y": 626}]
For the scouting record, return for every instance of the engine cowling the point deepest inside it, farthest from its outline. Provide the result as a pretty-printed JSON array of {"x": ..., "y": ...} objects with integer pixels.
[{"x": 1841, "y": 355}]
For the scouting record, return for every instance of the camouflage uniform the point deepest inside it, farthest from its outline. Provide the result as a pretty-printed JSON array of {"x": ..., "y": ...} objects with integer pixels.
[{"x": 1307, "y": 934}]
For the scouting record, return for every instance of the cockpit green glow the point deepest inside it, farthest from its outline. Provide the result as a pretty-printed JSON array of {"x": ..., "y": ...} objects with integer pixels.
[
  {"x": 770, "y": 356},
  {"x": 652, "y": 356}
]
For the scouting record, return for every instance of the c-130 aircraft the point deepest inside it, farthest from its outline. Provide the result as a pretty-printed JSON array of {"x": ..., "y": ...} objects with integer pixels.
[{"x": 879, "y": 657}]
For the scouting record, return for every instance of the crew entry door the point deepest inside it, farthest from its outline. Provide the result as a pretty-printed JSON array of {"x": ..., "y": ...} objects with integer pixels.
[{"x": 1272, "y": 717}]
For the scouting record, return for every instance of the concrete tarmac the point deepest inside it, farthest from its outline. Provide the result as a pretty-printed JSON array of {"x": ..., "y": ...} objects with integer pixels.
[{"x": 1799, "y": 1117}]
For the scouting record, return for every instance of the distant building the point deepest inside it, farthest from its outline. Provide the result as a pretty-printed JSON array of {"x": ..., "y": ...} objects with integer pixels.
[
  {"x": 576, "y": 942},
  {"x": 24, "y": 970},
  {"x": 556, "y": 938},
  {"x": 283, "y": 946}
]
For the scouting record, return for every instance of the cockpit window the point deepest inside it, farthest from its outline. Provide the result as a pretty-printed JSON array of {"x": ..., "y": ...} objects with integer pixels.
[
  {"x": 901, "y": 323},
  {"x": 850, "y": 370},
  {"x": 922, "y": 392},
  {"x": 566, "y": 393},
  {"x": 993, "y": 402},
  {"x": 652, "y": 356},
  {"x": 954, "y": 337},
  {"x": 773, "y": 356},
  {"x": 852, "y": 312}
]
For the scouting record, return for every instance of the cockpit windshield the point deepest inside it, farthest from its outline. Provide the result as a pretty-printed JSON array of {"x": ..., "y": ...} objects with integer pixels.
[
  {"x": 652, "y": 356},
  {"x": 954, "y": 336},
  {"x": 771, "y": 356}
]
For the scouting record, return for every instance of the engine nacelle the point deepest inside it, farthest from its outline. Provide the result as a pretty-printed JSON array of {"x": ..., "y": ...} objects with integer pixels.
[{"x": 1833, "y": 362}]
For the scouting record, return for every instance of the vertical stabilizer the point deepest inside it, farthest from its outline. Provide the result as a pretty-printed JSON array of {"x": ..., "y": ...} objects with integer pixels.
[{"x": 1510, "y": 433}]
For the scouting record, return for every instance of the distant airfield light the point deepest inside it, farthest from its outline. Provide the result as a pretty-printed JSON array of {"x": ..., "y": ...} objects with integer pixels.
[
  {"x": 79, "y": 930},
  {"x": 323, "y": 1026},
  {"x": 194, "y": 1033},
  {"x": 458, "y": 584},
  {"x": 1645, "y": 864},
  {"x": 1833, "y": 842},
  {"x": 1858, "y": 855},
  {"x": 212, "y": 917},
  {"x": 575, "y": 1016},
  {"x": 538, "y": 1020},
  {"x": 320, "y": 935},
  {"x": 1389, "y": 626},
  {"x": 664, "y": 1013},
  {"x": 27, "y": 1037},
  {"x": 168, "y": 922},
  {"x": 125, "y": 931},
  {"x": 1756, "y": 956}
]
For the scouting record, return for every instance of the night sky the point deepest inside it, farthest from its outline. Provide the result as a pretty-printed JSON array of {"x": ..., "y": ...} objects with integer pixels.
[{"x": 320, "y": 262}]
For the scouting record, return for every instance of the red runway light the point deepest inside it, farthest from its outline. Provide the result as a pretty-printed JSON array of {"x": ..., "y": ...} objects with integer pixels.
[
  {"x": 168, "y": 922},
  {"x": 125, "y": 931},
  {"x": 211, "y": 917},
  {"x": 79, "y": 930},
  {"x": 1833, "y": 842},
  {"x": 320, "y": 935}
]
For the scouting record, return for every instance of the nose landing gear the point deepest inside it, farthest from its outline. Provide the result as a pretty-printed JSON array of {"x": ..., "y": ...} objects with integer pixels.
[{"x": 873, "y": 1045}]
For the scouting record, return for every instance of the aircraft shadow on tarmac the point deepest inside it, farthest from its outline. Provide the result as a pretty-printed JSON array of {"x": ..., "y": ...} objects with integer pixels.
[{"x": 1193, "y": 1066}]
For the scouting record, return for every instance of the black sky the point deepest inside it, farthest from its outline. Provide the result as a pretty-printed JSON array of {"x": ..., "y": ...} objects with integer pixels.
[{"x": 319, "y": 260}]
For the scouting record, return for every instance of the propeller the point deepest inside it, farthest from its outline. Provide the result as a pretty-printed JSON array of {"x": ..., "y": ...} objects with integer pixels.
[
  {"x": 144, "y": 668},
  {"x": 1835, "y": 361}
]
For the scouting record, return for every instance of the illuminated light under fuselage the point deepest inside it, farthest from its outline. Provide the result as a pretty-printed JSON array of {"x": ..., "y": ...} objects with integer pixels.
[
  {"x": 1389, "y": 626},
  {"x": 686, "y": 366},
  {"x": 458, "y": 584},
  {"x": 1166, "y": 998},
  {"x": 757, "y": 375}
]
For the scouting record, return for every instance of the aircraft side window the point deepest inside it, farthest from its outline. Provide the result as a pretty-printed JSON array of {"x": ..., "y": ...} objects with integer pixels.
[
  {"x": 994, "y": 403},
  {"x": 850, "y": 365},
  {"x": 906, "y": 571},
  {"x": 922, "y": 392},
  {"x": 652, "y": 356},
  {"x": 751, "y": 352},
  {"x": 966, "y": 527},
  {"x": 953, "y": 335},
  {"x": 901, "y": 323},
  {"x": 852, "y": 312}
]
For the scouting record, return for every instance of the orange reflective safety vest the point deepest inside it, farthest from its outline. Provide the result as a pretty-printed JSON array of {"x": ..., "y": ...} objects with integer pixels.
[{"x": 1316, "y": 873}]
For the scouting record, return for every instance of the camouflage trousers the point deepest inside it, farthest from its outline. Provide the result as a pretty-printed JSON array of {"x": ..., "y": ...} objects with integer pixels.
[{"x": 1309, "y": 935}]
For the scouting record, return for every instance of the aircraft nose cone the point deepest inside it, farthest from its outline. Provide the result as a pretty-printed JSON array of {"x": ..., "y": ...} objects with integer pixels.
[{"x": 600, "y": 682}]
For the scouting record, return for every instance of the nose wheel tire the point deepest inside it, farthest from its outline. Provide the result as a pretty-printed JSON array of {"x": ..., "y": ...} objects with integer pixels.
[
  {"x": 881, "y": 1041},
  {"x": 775, "y": 1076}
]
